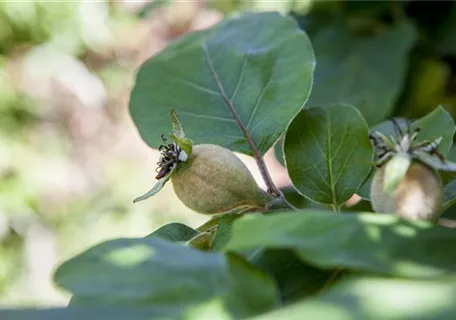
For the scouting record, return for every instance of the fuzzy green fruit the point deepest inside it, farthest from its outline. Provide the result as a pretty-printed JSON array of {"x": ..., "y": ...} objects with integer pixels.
[
  {"x": 214, "y": 180},
  {"x": 418, "y": 196}
]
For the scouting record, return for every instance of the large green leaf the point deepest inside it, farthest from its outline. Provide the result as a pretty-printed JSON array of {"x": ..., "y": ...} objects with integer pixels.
[
  {"x": 92, "y": 313},
  {"x": 328, "y": 153},
  {"x": 211, "y": 77},
  {"x": 370, "y": 242},
  {"x": 376, "y": 298},
  {"x": 366, "y": 71},
  {"x": 154, "y": 272}
]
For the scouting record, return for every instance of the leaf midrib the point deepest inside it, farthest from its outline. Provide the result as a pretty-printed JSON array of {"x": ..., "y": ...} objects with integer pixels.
[{"x": 329, "y": 159}]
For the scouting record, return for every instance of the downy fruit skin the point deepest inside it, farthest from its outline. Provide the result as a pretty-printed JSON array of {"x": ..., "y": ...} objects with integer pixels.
[
  {"x": 214, "y": 180},
  {"x": 418, "y": 196}
]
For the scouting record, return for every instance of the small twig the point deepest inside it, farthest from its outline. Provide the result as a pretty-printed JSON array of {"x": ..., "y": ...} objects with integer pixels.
[{"x": 272, "y": 189}]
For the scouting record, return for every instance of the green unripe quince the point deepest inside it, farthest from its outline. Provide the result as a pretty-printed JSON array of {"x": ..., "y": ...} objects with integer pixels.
[
  {"x": 418, "y": 196},
  {"x": 214, "y": 180}
]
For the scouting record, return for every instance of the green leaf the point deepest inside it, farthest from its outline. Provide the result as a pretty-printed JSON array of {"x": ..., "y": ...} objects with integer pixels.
[
  {"x": 449, "y": 199},
  {"x": 364, "y": 189},
  {"x": 366, "y": 71},
  {"x": 176, "y": 232},
  {"x": 376, "y": 298},
  {"x": 154, "y": 272},
  {"x": 223, "y": 233},
  {"x": 328, "y": 153},
  {"x": 157, "y": 187},
  {"x": 91, "y": 313},
  {"x": 367, "y": 242},
  {"x": 224, "y": 76},
  {"x": 449, "y": 192},
  {"x": 294, "y": 197},
  {"x": 438, "y": 123},
  {"x": 278, "y": 151},
  {"x": 395, "y": 170},
  {"x": 178, "y": 135},
  {"x": 295, "y": 278},
  {"x": 435, "y": 162},
  {"x": 211, "y": 224},
  {"x": 201, "y": 241}
]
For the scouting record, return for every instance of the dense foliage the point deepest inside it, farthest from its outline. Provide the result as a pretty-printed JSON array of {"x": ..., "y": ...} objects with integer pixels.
[{"x": 312, "y": 86}]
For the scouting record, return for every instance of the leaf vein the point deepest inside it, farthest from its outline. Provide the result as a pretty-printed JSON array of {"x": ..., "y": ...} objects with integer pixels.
[
  {"x": 236, "y": 88},
  {"x": 189, "y": 82},
  {"x": 316, "y": 140},
  {"x": 343, "y": 167},
  {"x": 260, "y": 96},
  {"x": 328, "y": 157},
  {"x": 204, "y": 116},
  {"x": 322, "y": 176}
]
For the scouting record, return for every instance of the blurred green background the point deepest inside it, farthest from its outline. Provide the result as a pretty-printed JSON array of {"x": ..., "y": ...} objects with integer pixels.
[{"x": 71, "y": 160}]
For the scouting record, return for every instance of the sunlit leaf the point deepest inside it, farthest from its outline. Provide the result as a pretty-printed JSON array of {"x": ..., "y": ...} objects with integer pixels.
[
  {"x": 383, "y": 243},
  {"x": 230, "y": 74},
  {"x": 154, "y": 272},
  {"x": 376, "y": 298},
  {"x": 91, "y": 313}
]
